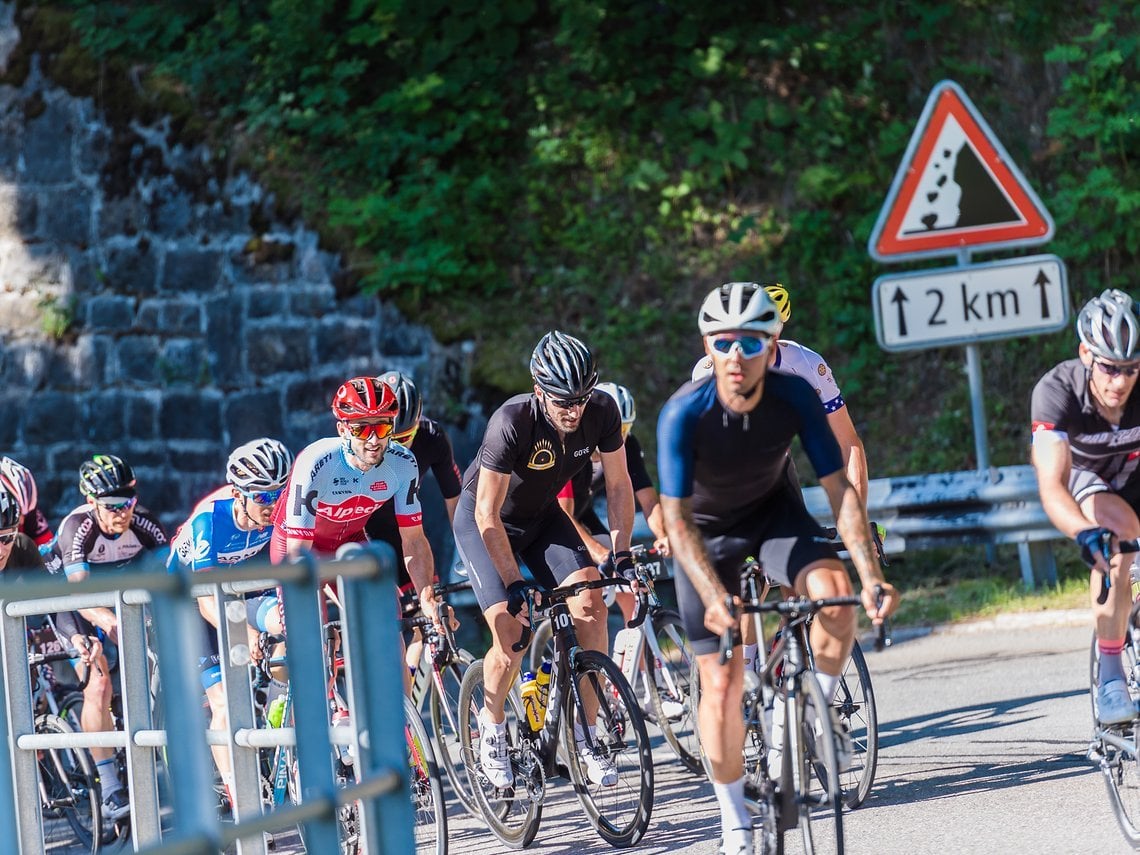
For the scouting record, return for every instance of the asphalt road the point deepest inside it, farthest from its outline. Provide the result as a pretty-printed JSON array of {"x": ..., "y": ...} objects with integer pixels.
[{"x": 983, "y": 737}]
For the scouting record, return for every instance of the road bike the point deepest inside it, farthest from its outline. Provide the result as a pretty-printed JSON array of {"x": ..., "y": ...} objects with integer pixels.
[
  {"x": 664, "y": 661},
  {"x": 580, "y": 681}
]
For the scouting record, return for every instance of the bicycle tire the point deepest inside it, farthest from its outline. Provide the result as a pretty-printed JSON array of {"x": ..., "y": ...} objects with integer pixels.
[
  {"x": 69, "y": 781},
  {"x": 430, "y": 828},
  {"x": 818, "y": 791},
  {"x": 854, "y": 706},
  {"x": 512, "y": 818},
  {"x": 444, "y": 714},
  {"x": 619, "y": 813},
  {"x": 676, "y": 666}
]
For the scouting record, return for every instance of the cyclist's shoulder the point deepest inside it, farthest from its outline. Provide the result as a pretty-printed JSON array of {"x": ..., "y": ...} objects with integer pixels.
[
  {"x": 146, "y": 526},
  {"x": 82, "y": 517},
  {"x": 316, "y": 456},
  {"x": 1065, "y": 384}
]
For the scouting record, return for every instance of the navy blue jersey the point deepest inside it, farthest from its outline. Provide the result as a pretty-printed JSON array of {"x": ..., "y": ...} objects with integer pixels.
[{"x": 730, "y": 463}]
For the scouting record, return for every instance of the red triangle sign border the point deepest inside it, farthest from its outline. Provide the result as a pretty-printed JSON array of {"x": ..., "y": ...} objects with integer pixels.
[{"x": 1030, "y": 224}]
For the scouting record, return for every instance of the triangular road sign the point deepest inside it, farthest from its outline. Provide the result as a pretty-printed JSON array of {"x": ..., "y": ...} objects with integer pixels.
[{"x": 956, "y": 188}]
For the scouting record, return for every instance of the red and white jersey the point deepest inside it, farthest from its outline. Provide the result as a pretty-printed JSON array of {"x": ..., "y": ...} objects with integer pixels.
[{"x": 328, "y": 500}]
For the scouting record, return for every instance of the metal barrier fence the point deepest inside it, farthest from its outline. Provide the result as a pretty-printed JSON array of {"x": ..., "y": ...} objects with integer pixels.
[{"x": 376, "y": 734}]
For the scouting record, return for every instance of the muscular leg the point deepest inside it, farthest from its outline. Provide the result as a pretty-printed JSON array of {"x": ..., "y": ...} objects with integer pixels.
[
  {"x": 1112, "y": 512},
  {"x": 589, "y": 612},
  {"x": 501, "y": 663},
  {"x": 833, "y": 630},
  {"x": 96, "y": 714},
  {"x": 219, "y": 720},
  {"x": 720, "y": 717}
]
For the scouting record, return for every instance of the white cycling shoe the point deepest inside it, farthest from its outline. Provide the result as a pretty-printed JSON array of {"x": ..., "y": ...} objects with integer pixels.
[
  {"x": 744, "y": 845},
  {"x": 599, "y": 769},
  {"x": 494, "y": 755},
  {"x": 1113, "y": 703}
]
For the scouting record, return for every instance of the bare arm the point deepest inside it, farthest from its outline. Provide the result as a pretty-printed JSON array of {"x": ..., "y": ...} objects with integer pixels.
[
  {"x": 851, "y": 447},
  {"x": 689, "y": 551},
  {"x": 654, "y": 518},
  {"x": 598, "y": 552},
  {"x": 1053, "y": 461},
  {"x": 294, "y": 546},
  {"x": 489, "y": 498},
  {"x": 851, "y": 521},
  {"x": 420, "y": 562},
  {"x": 619, "y": 498}
]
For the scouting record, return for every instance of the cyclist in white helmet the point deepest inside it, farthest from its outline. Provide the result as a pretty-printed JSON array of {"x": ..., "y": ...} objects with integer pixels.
[
  {"x": 1086, "y": 450},
  {"x": 230, "y": 526}
]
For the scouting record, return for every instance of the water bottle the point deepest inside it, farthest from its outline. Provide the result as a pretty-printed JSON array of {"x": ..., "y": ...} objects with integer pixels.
[
  {"x": 542, "y": 680},
  {"x": 625, "y": 652},
  {"x": 276, "y": 712},
  {"x": 530, "y": 700}
]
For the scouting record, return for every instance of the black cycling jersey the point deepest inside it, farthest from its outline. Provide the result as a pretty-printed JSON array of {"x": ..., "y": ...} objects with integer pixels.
[
  {"x": 590, "y": 482},
  {"x": 730, "y": 463},
  {"x": 24, "y": 557},
  {"x": 82, "y": 545},
  {"x": 521, "y": 441},
  {"x": 1062, "y": 402}
]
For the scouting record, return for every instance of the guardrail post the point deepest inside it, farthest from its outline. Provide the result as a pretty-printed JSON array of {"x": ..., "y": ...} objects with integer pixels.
[
  {"x": 142, "y": 780},
  {"x": 176, "y": 624},
  {"x": 1037, "y": 564},
  {"x": 232, "y": 639},
  {"x": 376, "y": 696},
  {"x": 305, "y": 656},
  {"x": 21, "y": 720}
]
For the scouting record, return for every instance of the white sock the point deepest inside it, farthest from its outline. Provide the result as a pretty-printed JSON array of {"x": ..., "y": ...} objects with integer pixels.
[
  {"x": 485, "y": 720},
  {"x": 109, "y": 776},
  {"x": 829, "y": 683},
  {"x": 751, "y": 651},
  {"x": 734, "y": 818}
]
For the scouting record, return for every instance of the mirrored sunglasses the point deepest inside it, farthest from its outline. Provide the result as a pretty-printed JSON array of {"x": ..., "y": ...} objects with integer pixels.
[
  {"x": 117, "y": 504},
  {"x": 363, "y": 430},
  {"x": 264, "y": 497},
  {"x": 569, "y": 403},
  {"x": 406, "y": 437},
  {"x": 1109, "y": 369},
  {"x": 750, "y": 346}
]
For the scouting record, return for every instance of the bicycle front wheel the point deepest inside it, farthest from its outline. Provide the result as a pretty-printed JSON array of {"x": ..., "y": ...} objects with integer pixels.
[
  {"x": 427, "y": 788},
  {"x": 854, "y": 706},
  {"x": 815, "y": 768},
  {"x": 668, "y": 677},
  {"x": 513, "y": 814},
  {"x": 70, "y": 794},
  {"x": 613, "y": 777},
  {"x": 443, "y": 707}
]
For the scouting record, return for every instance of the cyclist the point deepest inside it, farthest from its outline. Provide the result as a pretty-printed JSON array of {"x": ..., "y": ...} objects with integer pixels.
[
  {"x": 428, "y": 442},
  {"x": 18, "y": 479},
  {"x": 722, "y": 445},
  {"x": 18, "y": 552},
  {"x": 509, "y": 512},
  {"x": 225, "y": 532},
  {"x": 1085, "y": 451},
  {"x": 338, "y": 483},
  {"x": 108, "y": 531}
]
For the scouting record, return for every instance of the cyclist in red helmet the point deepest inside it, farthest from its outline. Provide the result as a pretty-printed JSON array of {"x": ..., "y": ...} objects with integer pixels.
[{"x": 337, "y": 483}]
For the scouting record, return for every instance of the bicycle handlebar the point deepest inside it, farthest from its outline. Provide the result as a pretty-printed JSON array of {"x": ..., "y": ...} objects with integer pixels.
[{"x": 556, "y": 595}]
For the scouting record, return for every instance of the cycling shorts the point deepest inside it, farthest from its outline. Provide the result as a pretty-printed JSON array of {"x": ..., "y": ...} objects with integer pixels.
[
  {"x": 549, "y": 545},
  {"x": 780, "y": 533}
]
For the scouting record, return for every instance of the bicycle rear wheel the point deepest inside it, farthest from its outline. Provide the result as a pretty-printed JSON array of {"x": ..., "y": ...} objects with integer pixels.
[
  {"x": 71, "y": 795},
  {"x": 444, "y": 711},
  {"x": 541, "y": 646},
  {"x": 668, "y": 678},
  {"x": 513, "y": 814},
  {"x": 427, "y": 787},
  {"x": 854, "y": 706},
  {"x": 815, "y": 770},
  {"x": 619, "y": 812}
]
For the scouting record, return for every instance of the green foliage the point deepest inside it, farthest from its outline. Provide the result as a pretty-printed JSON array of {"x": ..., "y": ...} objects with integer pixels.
[{"x": 502, "y": 168}]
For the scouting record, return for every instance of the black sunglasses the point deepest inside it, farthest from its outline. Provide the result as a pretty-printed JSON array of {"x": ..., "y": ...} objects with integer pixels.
[
  {"x": 1110, "y": 370},
  {"x": 568, "y": 403}
]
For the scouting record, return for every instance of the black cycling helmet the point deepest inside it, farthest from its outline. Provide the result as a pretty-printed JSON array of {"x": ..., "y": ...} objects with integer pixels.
[
  {"x": 105, "y": 475},
  {"x": 563, "y": 367},
  {"x": 409, "y": 399},
  {"x": 9, "y": 509}
]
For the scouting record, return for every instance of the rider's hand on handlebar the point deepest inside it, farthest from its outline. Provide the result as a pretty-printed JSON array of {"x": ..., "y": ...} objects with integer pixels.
[
  {"x": 880, "y": 601},
  {"x": 1096, "y": 547},
  {"x": 661, "y": 544},
  {"x": 719, "y": 619},
  {"x": 517, "y": 605}
]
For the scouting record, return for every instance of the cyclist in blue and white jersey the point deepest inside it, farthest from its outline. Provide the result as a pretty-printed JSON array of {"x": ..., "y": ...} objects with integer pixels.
[
  {"x": 722, "y": 456},
  {"x": 107, "y": 532},
  {"x": 225, "y": 531}
]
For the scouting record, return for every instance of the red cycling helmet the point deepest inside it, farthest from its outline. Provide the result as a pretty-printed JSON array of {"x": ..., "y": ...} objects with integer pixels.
[{"x": 365, "y": 398}]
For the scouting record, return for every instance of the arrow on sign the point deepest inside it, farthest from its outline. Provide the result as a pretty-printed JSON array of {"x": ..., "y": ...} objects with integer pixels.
[
  {"x": 1041, "y": 281},
  {"x": 898, "y": 300}
]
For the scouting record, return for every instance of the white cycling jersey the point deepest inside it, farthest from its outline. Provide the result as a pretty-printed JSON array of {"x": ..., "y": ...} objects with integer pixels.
[{"x": 795, "y": 359}]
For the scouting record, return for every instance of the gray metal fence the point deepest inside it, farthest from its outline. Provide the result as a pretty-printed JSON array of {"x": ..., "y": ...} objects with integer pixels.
[{"x": 167, "y": 602}]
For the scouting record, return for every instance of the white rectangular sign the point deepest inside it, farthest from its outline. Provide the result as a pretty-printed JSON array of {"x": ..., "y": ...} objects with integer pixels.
[{"x": 975, "y": 302}]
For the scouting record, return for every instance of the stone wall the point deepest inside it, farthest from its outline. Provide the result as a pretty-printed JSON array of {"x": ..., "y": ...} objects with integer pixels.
[{"x": 154, "y": 307}]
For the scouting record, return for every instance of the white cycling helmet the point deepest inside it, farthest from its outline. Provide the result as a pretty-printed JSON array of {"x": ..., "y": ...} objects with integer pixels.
[
  {"x": 1108, "y": 326},
  {"x": 260, "y": 464},
  {"x": 625, "y": 402},
  {"x": 739, "y": 306},
  {"x": 18, "y": 478}
]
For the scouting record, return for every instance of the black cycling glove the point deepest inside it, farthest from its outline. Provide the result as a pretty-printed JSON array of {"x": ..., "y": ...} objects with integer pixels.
[
  {"x": 623, "y": 565},
  {"x": 516, "y": 596},
  {"x": 1094, "y": 542}
]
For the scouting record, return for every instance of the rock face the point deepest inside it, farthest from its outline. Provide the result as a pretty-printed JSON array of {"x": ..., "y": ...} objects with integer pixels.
[{"x": 155, "y": 308}]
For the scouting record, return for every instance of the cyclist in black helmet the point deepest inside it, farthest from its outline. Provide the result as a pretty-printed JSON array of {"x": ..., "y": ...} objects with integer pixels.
[
  {"x": 1086, "y": 447},
  {"x": 109, "y": 530},
  {"x": 509, "y": 514}
]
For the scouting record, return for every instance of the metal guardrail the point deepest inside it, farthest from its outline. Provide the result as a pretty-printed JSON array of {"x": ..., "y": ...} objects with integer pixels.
[{"x": 377, "y": 722}]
